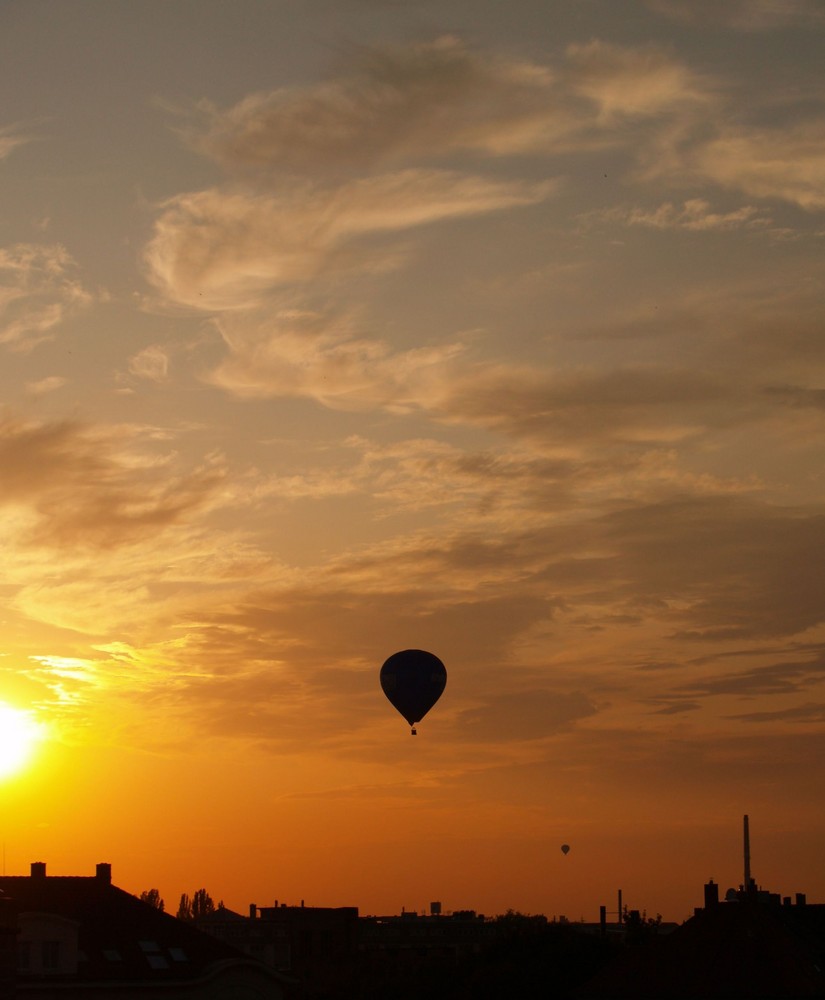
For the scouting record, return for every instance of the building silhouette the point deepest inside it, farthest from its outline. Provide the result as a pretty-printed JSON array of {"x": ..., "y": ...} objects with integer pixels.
[
  {"x": 753, "y": 943},
  {"x": 311, "y": 944},
  {"x": 75, "y": 937},
  {"x": 736, "y": 949}
]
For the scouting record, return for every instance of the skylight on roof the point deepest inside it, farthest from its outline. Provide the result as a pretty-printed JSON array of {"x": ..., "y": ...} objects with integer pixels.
[
  {"x": 178, "y": 955},
  {"x": 157, "y": 961},
  {"x": 149, "y": 946}
]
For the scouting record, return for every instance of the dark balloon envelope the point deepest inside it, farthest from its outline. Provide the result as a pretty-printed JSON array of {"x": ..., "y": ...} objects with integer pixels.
[
  {"x": 413, "y": 681},
  {"x": 565, "y": 848}
]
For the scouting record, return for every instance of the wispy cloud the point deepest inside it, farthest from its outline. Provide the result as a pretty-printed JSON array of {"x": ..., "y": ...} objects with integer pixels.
[
  {"x": 151, "y": 363},
  {"x": 267, "y": 253},
  {"x": 407, "y": 102},
  {"x": 46, "y": 464},
  {"x": 786, "y": 163},
  {"x": 42, "y": 386},
  {"x": 296, "y": 354},
  {"x": 694, "y": 214},
  {"x": 810, "y": 712},
  {"x": 217, "y": 251},
  {"x": 632, "y": 82},
  {"x": 38, "y": 290},
  {"x": 643, "y": 404},
  {"x": 11, "y": 138}
]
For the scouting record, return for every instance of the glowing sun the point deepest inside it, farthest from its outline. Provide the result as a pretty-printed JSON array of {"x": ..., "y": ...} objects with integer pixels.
[{"x": 18, "y": 736}]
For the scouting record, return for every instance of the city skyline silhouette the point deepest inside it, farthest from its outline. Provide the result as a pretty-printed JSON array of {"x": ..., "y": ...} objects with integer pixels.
[{"x": 84, "y": 934}]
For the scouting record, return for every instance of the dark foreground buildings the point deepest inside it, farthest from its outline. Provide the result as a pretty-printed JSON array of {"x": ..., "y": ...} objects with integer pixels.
[
  {"x": 73, "y": 937},
  {"x": 314, "y": 945},
  {"x": 82, "y": 937},
  {"x": 334, "y": 954},
  {"x": 752, "y": 945}
]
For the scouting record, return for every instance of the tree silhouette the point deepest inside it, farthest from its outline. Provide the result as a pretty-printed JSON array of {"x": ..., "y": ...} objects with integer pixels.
[
  {"x": 202, "y": 904},
  {"x": 198, "y": 906},
  {"x": 639, "y": 927},
  {"x": 152, "y": 898}
]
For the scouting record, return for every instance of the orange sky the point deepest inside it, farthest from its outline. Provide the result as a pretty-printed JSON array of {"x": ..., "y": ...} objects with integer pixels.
[{"x": 333, "y": 329}]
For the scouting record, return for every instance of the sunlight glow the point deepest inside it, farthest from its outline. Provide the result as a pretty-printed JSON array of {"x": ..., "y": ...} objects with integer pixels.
[{"x": 19, "y": 734}]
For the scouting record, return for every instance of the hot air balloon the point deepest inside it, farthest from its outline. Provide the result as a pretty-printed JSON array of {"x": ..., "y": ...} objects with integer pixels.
[
  {"x": 565, "y": 848},
  {"x": 413, "y": 681}
]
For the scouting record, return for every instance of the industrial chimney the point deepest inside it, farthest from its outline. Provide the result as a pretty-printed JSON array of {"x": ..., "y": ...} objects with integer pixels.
[{"x": 749, "y": 884}]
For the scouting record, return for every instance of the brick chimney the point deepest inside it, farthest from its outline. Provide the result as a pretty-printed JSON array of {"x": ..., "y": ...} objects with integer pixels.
[
  {"x": 38, "y": 869},
  {"x": 103, "y": 872}
]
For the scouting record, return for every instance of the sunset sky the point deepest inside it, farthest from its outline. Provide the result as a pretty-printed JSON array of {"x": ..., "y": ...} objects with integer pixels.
[{"x": 330, "y": 328}]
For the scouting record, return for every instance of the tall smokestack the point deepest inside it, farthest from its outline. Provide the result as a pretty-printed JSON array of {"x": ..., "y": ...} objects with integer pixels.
[{"x": 747, "y": 846}]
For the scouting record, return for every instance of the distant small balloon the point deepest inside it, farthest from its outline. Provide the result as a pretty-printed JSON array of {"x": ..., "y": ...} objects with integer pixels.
[
  {"x": 565, "y": 848},
  {"x": 413, "y": 681}
]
